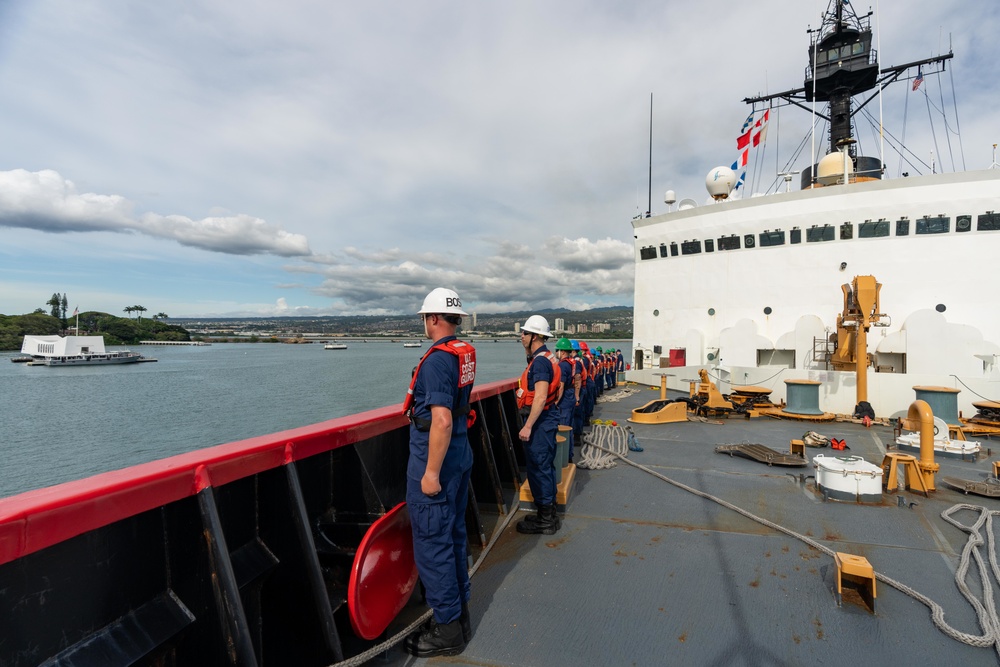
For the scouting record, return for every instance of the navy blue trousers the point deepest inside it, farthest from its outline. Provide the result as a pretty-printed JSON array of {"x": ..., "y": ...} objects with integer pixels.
[
  {"x": 441, "y": 544},
  {"x": 539, "y": 455}
]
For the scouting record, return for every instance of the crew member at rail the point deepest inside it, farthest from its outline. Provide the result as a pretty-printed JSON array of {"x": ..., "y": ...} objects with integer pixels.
[
  {"x": 581, "y": 406},
  {"x": 588, "y": 363},
  {"x": 569, "y": 373},
  {"x": 610, "y": 379},
  {"x": 537, "y": 396},
  {"x": 598, "y": 371},
  {"x": 437, "y": 475}
]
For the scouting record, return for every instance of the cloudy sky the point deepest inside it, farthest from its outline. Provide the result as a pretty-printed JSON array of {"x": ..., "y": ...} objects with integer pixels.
[{"x": 241, "y": 157}]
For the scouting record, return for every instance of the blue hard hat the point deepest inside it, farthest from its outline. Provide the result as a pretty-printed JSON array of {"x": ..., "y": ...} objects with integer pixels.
[{"x": 576, "y": 344}]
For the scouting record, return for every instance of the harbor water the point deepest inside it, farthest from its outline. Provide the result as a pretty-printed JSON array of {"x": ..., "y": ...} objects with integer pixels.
[{"x": 60, "y": 424}]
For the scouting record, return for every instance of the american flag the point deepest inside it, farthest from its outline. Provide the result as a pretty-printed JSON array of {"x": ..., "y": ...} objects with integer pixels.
[{"x": 919, "y": 80}]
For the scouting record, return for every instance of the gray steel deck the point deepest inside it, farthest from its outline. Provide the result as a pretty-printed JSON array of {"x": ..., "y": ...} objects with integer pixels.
[{"x": 645, "y": 573}]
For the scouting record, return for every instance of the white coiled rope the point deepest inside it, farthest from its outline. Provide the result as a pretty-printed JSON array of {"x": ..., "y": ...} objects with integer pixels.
[
  {"x": 617, "y": 396},
  {"x": 986, "y": 611},
  {"x": 603, "y": 438}
]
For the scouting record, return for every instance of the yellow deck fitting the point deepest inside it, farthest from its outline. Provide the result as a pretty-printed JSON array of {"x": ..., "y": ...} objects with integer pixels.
[
  {"x": 912, "y": 478},
  {"x": 857, "y": 573},
  {"x": 660, "y": 412},
  {"x": 564, "y": 488},
  {"x": 797, "y": 447}
]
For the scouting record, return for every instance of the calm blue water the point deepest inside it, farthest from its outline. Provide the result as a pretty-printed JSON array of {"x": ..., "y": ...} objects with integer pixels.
[{"x": 60, "y": 424}]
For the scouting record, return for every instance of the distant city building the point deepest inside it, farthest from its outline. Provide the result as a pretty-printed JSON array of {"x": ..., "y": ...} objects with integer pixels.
[
  {"x": 601, "y": 327},
  {"x": 571, "y": 329},
  {"x": 581, "y": 328},
  {"x": 517, "y": 327},
  {"x": 473, "y": 321},
  {"x": 560, "y": 325}
]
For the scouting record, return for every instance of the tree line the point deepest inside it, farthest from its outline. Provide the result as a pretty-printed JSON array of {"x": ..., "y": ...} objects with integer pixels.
[{"x": 115, "y": 330}]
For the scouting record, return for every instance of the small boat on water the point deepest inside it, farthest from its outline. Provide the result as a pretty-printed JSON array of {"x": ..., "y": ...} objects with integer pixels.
[
  {"x": 412, "y": 343},
  {"x": 335, "y": 346},
  {"x": 75, "y": 351}
]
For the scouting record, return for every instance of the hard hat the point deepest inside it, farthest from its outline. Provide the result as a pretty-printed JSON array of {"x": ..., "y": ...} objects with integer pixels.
[
  {"x": 442, "y": 301},
  {"x": 598, "y": 348},
  {"x": 564, "y": 344},
  {"x": 576, "y": 344},
  {"x": 537, "y": 324},
  {"x": 583, "y": 346}
]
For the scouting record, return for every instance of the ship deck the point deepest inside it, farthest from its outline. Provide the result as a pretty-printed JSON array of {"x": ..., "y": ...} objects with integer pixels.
[{"x": 646, "y": 573}]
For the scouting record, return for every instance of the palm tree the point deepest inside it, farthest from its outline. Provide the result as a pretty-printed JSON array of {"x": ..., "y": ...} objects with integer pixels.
[
  {"x": 129, "y": 310},
  {"x": 161, "y": 316},
  {"x": 140, "y": 310}
]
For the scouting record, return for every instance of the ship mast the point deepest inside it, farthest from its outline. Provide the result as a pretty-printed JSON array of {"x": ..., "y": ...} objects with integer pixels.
[
  {"x": 842, "y": 65},
  {"x": 845, "y": 65}
]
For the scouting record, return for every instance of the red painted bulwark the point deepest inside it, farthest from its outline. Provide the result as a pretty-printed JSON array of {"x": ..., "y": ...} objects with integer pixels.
[{"x": 38, "y": 519}]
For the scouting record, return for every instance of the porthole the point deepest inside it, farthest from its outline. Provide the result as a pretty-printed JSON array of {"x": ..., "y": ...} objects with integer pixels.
[
  {"x": 940, "y": 308},
  {"x": 711, "y": 311},
  {"x": 767, "y": 310},
  {"x": 656, "y": 313}
]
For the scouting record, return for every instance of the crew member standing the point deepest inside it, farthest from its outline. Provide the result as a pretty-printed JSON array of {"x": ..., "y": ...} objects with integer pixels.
[
  {"x": 437, "y": 475},
  {"x": 537, "y": 396},
  {"x": 569, "y": 373}
]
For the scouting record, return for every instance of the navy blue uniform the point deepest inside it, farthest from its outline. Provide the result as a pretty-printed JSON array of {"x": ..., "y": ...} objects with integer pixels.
[
  {"x": 568, "y": 409},
  {"x": 440, "y": 541},
  {"x": 540, "y": 450}
]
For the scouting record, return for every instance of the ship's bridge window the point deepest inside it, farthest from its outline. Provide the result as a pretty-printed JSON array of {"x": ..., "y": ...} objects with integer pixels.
[
  {"x": 691, "y": 247},
  {"x": 988, "y": 222},
  {"x": 649, "y": 252},
  {"x": 795, "y": 236},
  {"x": 963, "y": 223},
  {"x": 902, "y": 227},
  {"x": 768, "y": 238},
  {"x": 817, "y": 234},
  {"x": 709, "y": 245},
  {"x": 663, "y": 250},
  {"x": 731, "y": 242},
  {"x": 871, "y": 230},
  {"x": 937, "y": 224},
  {"x": 673, "y": 249},
  {"x": 846, "y": 231}
]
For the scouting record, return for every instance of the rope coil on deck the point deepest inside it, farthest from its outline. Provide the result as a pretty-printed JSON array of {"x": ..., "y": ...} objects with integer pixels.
[
  {"x": 617, "y": 396},
  {"x": 611, "y": 439},
  {"x": 986, "y": 611}
]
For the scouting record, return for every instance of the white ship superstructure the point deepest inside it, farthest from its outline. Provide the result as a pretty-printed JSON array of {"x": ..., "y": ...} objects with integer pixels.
[{"x": 751, "y": 288}]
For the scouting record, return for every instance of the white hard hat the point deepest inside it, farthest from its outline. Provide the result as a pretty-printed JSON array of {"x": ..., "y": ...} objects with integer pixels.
[
  {"x": 442, "y": 301},
  {"x": 538, "y": 325}
]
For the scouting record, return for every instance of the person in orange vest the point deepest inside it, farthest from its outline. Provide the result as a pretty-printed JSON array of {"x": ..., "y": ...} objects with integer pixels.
[
  {"x": 438, "y": 473},
  {"x": 581, "y": 407},
  {"x": 569, "y": 371},
  {"x": 537, "y": 397}
]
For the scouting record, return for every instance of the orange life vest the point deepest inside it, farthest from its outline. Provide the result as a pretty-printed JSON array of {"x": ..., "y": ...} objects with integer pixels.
[
  {"x": 526, "y": 397},
  {"x": 466, "y": 355}
]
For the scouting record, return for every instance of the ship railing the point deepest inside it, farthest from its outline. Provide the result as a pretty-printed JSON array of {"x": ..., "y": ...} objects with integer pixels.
[{"x": 235, "y": 554}]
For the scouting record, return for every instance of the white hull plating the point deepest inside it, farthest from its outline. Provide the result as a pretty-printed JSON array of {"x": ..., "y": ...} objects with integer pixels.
[{"x": 759, "y": 315}]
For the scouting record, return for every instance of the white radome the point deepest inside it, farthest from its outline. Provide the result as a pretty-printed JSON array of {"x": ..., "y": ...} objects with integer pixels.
[{"x": 720, "y": 182}]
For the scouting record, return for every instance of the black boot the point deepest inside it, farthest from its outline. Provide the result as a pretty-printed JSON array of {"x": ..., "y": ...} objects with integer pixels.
[
  {"x": 436, "y": 639},
  {"x": 466, "y": 621},
  {"x": 532, "y": 519},
  {"x": 546, "y": 523}
]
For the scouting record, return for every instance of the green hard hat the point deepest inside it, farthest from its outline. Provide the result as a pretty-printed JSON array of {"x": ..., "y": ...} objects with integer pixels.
[
  {"x": 598, "y": 348},
  {"x": 564, "y": 344}
]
